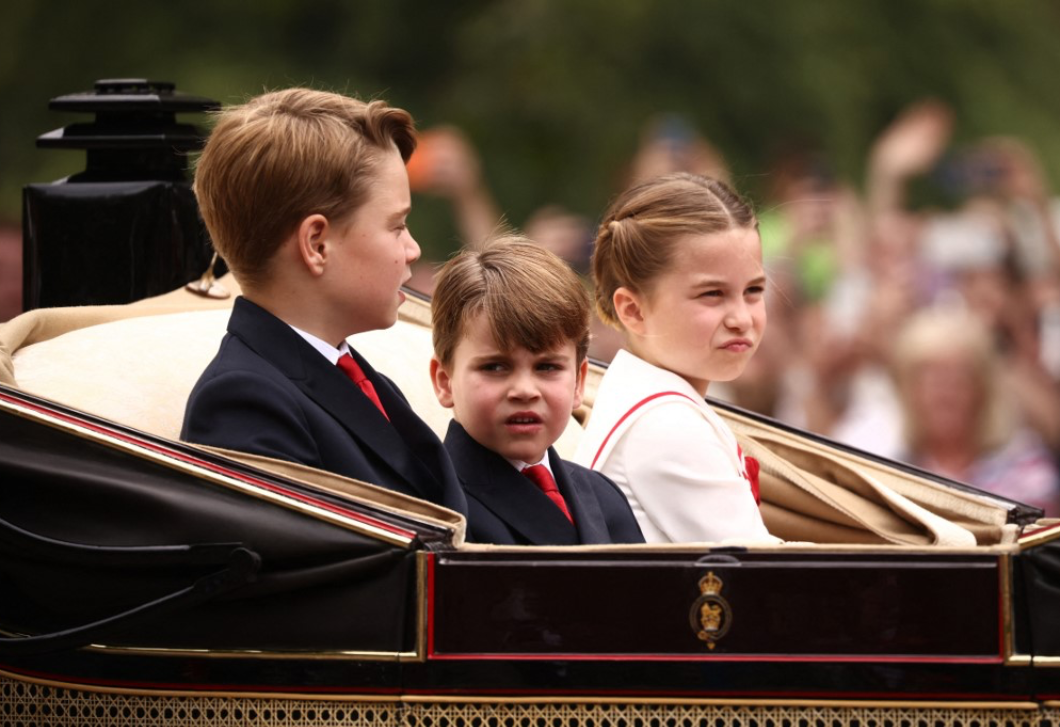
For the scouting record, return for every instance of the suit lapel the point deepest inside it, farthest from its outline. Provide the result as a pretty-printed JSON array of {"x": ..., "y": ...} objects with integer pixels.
[
  {"x": 420, "y": 458},
  {"x": 509, "y": 495},
  {"x": 335, "y": 393},
  {"x": 584, "y": 507}
]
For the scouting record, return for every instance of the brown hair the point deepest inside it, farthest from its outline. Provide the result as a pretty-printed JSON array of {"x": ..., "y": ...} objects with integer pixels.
[
  {"x": 636, "y": 239},
  {"x": 530, "y": 297},
  {"x": 284, "y": 155}
]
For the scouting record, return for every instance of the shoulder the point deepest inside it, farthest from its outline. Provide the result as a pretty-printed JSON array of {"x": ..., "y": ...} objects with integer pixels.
[
  {"x": 589, "y": 478},
  {"x": 676, "y": 439},
  {"x": 666, "y": 417},
  {"x": 228, "y": 397},
  {"x": 621, "y": 523},
  {"x": 237, "y": 365},
  {"x": 577, "y": 471},
  {"x": 241, "y": 387},
  {"x": 581, "y": 474},
  {"x": 670, "y": 418},
  {"x": 632, "y": 387}
]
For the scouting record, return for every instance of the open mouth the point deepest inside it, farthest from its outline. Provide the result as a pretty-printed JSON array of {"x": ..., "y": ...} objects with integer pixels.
[
  {"x": 523, "y": 418},
  {"x": 524, "y": 423}
]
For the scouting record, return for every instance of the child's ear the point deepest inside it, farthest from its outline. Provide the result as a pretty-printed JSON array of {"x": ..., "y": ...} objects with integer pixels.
[
  {"x": 443, "y": 384},
  {"x": 579, "y": 387},
  {"x": 629, "y": 309},
  {"x": 312, "y": 240}
]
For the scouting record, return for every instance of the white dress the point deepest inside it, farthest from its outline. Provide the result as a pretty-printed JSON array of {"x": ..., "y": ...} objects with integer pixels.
[{"x": 674, "y": 458}]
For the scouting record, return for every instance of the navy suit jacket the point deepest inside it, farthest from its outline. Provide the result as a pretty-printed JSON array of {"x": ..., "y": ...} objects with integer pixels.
[
  {"x": 269, "y": 392},
  {"x": 506, "y": 507}
]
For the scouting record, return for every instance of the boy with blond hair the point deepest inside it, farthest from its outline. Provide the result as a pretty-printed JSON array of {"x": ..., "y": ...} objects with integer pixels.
[
  {"x": 305, "y": 196},
  {"x": 511, "y": 332}
]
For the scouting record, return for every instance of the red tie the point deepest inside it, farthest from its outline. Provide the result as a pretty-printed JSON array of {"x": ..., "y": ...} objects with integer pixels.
[
  {"x": 351, "y": 369},
  {"x": 541, "y": 477}
]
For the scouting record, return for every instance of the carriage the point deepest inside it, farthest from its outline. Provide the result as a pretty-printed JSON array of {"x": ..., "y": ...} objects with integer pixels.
[{"x": 149, "y": 581}]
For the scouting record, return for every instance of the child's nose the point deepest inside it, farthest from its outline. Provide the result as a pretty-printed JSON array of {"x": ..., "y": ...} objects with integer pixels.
[
  {"x": 412, "y": 249},
  {"x": 522, "y": 387},
  {"x": 738, "y": 317}
]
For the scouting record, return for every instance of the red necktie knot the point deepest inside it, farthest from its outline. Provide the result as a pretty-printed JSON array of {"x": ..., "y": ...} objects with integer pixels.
[
  {"x": 356, "y": 374},
  {"x": 540, "y": 476}
]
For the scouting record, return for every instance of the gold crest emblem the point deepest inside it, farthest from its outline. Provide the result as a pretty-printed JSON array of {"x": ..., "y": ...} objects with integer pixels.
[{"x": 710, "y": 616}]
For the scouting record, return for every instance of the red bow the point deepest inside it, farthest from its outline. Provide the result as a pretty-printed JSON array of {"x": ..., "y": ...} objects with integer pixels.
[
  {"x": 752, "y": 467},
  {"x": 750, "y": 473}
]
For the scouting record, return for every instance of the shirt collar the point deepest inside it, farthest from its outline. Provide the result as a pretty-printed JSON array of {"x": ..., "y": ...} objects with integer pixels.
[
  {"x": 328, "y": 351},
  {"x": 520, "y": 465}
]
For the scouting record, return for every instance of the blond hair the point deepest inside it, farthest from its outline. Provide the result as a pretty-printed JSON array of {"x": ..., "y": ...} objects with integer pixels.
[
  {"x": 637, "y": 238},
  {"x": 938, "y": 332},
  {"x": 284, "y": 155},
  {"x": 530, "y": 298}
]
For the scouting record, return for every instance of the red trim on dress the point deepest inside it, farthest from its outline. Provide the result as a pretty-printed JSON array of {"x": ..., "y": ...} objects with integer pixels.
[
  {"x": 750, "y": 464},
  {"x": 625, "y": 416}
]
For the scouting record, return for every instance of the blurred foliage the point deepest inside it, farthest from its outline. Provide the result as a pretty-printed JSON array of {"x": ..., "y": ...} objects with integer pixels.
[{"x": 555, "y": 94}]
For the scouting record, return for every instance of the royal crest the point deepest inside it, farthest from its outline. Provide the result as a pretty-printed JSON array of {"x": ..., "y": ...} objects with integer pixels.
[{"x": 710, "y": 616}]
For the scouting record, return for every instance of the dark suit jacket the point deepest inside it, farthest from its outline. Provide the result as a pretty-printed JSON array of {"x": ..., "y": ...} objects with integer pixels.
[
  {"x": 269, "y": 392},
  {"x": 505, "y": 507}
]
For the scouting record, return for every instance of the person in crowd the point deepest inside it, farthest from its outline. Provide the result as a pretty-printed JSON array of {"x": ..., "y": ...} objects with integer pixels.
[
  {"x": 511, "y": 331},
  {"x": 960, "y": 420},
  {"x": 671, "y": 143},
  {"x": 839, "y": 313},
  {"x": 446, "y": 164},
  {"x": 993, "y": 250},
  {"x": 305, "y": 196},
  {"x": 678, "y": 268}
]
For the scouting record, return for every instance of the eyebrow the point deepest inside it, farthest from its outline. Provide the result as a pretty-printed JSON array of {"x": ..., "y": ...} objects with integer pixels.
[
  {"x": 490, "y": 356},
  {"x": 718, "y": 283},
  {"x": 403, "y": 212}
]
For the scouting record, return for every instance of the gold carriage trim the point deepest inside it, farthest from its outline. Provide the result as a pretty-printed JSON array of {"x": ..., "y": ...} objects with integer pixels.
[
  {"x": 23, "y": 704},
  {"x": 1034, "y": 537}
]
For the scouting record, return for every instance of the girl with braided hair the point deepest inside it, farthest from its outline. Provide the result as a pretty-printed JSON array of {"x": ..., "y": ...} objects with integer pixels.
[{"x": 677, "y": 268}]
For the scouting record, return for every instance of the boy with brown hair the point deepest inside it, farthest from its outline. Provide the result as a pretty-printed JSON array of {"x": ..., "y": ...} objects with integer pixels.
[
  {"x": 511, "y": 332},
  {"x": 305, "y": 196}
]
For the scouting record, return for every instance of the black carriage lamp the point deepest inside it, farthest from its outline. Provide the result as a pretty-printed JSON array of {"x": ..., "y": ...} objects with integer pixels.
[
  {"x": 135, "y": 134},
  {"x": 127, "y": 227}
]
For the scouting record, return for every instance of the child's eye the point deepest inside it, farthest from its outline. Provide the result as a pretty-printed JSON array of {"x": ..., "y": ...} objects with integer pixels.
[
  {"x": 492, "y": 366},
  {"x": 549, "y": 366},
  {"x": 756, "y": 290},
  {"x": 711, "y": 294}
]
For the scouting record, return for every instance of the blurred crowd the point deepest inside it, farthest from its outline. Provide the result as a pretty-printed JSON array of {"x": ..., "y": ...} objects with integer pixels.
[{"x": 916, "y": 316}]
